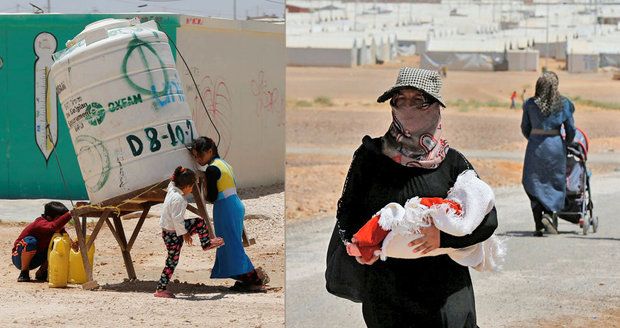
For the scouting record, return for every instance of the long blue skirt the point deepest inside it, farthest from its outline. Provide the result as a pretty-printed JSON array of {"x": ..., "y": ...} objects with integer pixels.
[
  {"x": 544, "y": 171},
  {"x": 230, "y": 259}
]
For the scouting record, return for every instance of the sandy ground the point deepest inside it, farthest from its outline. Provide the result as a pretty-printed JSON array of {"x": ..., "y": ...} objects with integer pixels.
[
  {"x": 201, "y": 301},
  {"x": 323, "y": 133},
  {"x": 317, "y": 160},
  {"x": 321, "y": 139},
  {"x": 366, "y": 83}
]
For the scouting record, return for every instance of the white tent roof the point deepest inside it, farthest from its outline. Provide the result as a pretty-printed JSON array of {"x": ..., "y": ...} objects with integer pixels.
[
  {"x": 320, "y": 41},
  {"x": 475, "y": 27}
]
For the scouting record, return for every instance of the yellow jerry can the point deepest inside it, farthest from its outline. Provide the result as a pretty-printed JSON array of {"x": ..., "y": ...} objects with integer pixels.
[
  {"x": 58, "y": 261},
  {"x": 77, "y": 274},
  {"x": 49, "y": 247}
]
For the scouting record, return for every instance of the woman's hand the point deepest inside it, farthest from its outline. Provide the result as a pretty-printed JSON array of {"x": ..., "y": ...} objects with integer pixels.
[
  {"x": 360, "y": 260},
  {"x": 428, "y": 242},
  {"x": 188, "y": 239},
  {"x": 352, "y": 249}
]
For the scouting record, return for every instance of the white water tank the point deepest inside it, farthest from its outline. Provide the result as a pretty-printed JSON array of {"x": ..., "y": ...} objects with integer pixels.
[{"x": 124, "y": 105}]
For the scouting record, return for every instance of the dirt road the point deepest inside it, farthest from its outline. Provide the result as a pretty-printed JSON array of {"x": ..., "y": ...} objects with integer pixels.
[{"x": 568, "y": 280}]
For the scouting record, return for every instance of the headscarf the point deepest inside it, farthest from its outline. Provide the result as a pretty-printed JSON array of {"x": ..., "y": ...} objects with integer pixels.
[
  {"x": 414, "y": 138},
  {"x": 547, "y": 96}
]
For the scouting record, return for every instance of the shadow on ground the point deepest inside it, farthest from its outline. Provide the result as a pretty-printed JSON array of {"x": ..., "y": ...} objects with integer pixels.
[
  {"x": 185, "y": 291},
  {"x": 257, "y": 192}
]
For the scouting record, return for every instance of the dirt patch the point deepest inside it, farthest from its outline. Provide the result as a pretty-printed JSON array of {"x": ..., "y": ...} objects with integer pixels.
[
  {"x": 201, "y": 301},
  {"x": 313, "y": 190},
  {"x": 321, "y": 139},
  {"x": 368, "y": 82},
  {"x": 314, "y": 185}
]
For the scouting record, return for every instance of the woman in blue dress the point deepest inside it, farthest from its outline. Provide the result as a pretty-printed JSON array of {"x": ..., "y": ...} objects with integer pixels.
[
  {"x": 544, "y": 169},
  {"x": 231, "y": 261}
]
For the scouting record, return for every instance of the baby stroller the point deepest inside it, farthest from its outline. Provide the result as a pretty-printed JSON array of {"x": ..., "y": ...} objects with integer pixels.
[{"x": 578, "y": 207}]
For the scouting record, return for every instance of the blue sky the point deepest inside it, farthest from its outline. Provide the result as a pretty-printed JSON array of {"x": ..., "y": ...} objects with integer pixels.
[{"x": 218, "y": 8}]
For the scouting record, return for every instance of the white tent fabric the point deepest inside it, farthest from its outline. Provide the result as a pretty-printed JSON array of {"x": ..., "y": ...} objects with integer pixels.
[{"x": 457, "y": 61}]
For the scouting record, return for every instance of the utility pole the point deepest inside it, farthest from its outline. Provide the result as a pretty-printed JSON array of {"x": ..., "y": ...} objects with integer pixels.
[
  {"x": 235, "y": 9},
  {"x": 547, "y": 45},
  {"x": 355, "y": 16},
  {"x": 596, "y": 27},
  {"x": 526, "y": 19},
  {"x": 410, "y": 11},
  {"x": 375, "y": 14}
]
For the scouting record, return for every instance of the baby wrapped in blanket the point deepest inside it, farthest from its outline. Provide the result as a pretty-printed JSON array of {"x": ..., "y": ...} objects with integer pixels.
[{"x": 390, "y": 231}]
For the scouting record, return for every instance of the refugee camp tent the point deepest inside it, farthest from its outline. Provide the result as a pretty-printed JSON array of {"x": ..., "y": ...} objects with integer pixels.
[
  {"x": 322, "y": 50},
  {"x": 582, "y": 58},
  {"x": 462, "y": 55},
  {"x": 522, "y": 60}
]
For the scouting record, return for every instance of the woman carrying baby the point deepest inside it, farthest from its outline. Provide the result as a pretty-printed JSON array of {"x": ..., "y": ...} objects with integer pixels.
[{"x": 411, "y": 160}]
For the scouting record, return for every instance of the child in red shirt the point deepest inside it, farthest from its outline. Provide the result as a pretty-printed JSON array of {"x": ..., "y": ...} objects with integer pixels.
[{"x": 30, "y": 248}]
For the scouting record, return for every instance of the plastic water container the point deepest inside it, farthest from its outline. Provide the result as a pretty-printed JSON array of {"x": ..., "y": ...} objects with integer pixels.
[
  {"x": 77, "y": 274},
  {"x": 58, "y": 261},
  {"x": 124, "y": 104},
  {"x": 49, "y": 247}
]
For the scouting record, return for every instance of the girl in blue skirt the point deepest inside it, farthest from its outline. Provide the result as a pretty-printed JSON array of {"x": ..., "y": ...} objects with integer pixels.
[{"x": 231, "y": 261}]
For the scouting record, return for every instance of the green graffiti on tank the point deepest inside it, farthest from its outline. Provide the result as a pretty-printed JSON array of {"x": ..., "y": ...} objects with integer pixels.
[{"x": 139, "y": 45}]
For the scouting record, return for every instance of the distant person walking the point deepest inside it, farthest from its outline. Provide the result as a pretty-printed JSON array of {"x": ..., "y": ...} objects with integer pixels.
[
  {"x": 523, "y": 96},
  {"x": 444, "y": 71},
  {"x": 513, "y": 96},
  {"x": 544, "y": 169}
]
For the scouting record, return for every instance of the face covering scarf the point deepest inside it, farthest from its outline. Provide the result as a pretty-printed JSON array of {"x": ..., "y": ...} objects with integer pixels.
[{"x": 414, "y": 137}]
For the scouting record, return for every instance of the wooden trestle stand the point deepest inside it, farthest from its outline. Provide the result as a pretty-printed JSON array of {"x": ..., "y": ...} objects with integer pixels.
[{"x": 139, "y": 200}]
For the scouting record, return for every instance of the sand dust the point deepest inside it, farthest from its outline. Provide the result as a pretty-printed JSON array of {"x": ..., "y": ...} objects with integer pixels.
[{"x": 201, "y": 301}]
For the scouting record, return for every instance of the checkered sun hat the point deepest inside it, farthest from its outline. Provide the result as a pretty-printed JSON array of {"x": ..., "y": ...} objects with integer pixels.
[{"x": 422, "y": 79}]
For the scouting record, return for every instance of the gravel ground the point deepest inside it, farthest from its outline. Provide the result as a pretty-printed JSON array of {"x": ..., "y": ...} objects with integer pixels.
[{"x": 119, "y": 303}]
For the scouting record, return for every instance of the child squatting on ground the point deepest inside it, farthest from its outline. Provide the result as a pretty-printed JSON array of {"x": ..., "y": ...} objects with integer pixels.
[
  {"x": 30, "y": 248},
  {"x": 176, "y": 229}
]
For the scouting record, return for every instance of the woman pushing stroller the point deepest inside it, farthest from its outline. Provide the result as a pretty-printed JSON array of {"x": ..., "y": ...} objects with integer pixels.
[{"x": 544, "y": 169}]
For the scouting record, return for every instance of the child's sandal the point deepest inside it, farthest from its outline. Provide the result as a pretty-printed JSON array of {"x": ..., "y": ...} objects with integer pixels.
[
  {"x": 164, "y": 294},
  {"x": 215, "y": 243}
]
